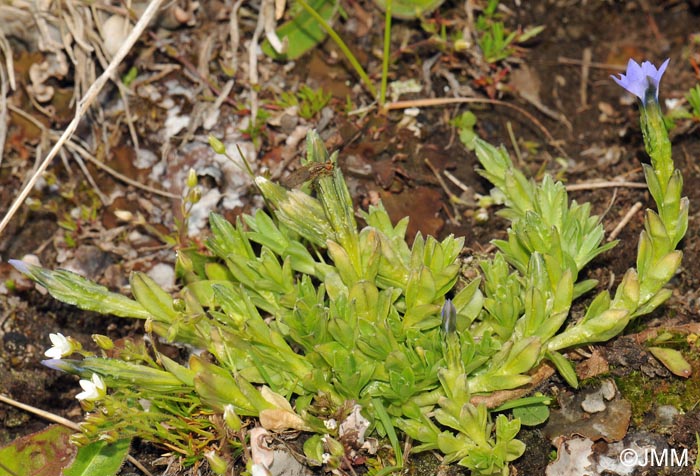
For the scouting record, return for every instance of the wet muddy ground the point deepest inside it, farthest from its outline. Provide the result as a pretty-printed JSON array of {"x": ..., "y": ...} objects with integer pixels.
[{"x": 561, "y": 77}]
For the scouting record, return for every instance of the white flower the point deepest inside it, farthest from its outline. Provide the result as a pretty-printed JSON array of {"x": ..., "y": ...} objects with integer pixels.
[
  {"x": 93, "y": 389},
  {"x": 330, "y": 424},
  {"x": 61, "y": 347}
]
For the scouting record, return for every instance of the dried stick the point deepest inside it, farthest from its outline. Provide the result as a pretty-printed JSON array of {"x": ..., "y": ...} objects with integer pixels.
[
  {"x": 82, "y": 151},
  {"x": 498, "y": 398},
  {"x": 603, "y": 184},
  {"x": 625, "y": 220},
  {"x": 83, "y": 105},
  {"x": 64, "y": 422},
  {"x": 445, "y": 101},
  {"x": 87, "y": 156},
  {"x": 4, "y": 120},
  {"x": 592, "y": 64},
  {"x": 454, "y": 217},
  {"x": 585, "y": 71}
]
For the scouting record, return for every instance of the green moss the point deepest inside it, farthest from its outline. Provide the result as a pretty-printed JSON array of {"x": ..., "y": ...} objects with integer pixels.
[{"x": 645, "y": 393}]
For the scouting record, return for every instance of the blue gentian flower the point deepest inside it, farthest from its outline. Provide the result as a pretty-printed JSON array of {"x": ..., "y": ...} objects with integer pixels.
[{"x": 640, "y": 80}]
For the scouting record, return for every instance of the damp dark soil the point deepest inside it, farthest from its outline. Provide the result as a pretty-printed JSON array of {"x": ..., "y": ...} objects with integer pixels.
[{"x": 576, "y": 125}]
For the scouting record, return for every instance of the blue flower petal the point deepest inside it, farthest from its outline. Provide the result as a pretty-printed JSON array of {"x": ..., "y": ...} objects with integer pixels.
[{"x": 638, "y": 79}]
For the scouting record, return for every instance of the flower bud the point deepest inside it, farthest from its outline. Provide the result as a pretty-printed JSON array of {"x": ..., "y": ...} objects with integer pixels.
[
  {"x": 217, "y": 145},
  {"x": 216, "y": 462},
  {"x": 449, "y": 317},
  {"x": 179, "y": 305},
  {"x": 79, "y": 439},
  {"x": 192, "y": 179},
  {"x": 232, "y": 420},
  {"x": 87, "y": 427},
  {"x": 109, "y": 436},
  {"x": 103, "y": 342},
  {"x": 334, "y": 447},
  {"x": 195, "y": 195}
]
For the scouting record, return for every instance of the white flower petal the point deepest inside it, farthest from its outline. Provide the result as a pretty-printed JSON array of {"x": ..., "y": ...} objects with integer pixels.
[
  {"x": 92, "y": 389},
  {"x": 61, "y": 346}
]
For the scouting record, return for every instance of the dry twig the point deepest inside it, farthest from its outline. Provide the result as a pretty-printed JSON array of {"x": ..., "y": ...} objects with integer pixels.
[
  {"x": 64, "y": 422},
  {"x": 585, "y": 71},
  {"x": 625, "y": 220},
  {"x": 592, "y": 64},
  {"x": 576, "y": 187},
  {"x": 444, "y": 101},
  {"x": 83, "y": 152},
  {"x": 83, "y": 105},
  {"x": 543, "y": 372},
  {"x": 3, "y": 111}
]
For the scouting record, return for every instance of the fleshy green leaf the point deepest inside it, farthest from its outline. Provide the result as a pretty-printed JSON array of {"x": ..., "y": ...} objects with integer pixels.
[
  {"x": 99, "y": 459},
  {"x": 673, "y": 360},
  {"x": 532, "y": 415},
  {"x": 303, "y": 32}
]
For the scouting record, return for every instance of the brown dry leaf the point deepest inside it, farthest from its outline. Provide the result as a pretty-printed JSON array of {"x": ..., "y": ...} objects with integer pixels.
[
  {"x": 281, "y": 420},
  {"x": 275, "y": 398},
  {"x": 420, "y": 204},
  {"x": 595, "y": 365}
]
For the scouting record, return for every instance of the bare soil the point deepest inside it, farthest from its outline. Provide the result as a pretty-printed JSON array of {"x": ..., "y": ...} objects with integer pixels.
[{"x": 597, "y": 138}]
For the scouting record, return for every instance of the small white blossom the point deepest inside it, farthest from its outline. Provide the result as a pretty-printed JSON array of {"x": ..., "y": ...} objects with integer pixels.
[
  {"x": 93, "y": 389},
  {"x": 325, "y": 458},
  {"x": 330, "y": 424},
  {"x": 61, "y": 347}
]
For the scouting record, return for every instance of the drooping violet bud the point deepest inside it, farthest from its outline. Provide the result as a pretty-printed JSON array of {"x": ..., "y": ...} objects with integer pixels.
[
  {"x": 20, "y": 266},
  {"x": 449, "y": 317},
  {"x": 59, "y": 364}
]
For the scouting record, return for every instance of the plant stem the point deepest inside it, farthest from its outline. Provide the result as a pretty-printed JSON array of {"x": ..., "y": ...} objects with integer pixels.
[
  {"x": 343, "y": 47},
  {"x": 385, "y": 56}
]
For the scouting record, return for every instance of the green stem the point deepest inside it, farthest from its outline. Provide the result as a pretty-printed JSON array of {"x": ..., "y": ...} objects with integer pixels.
[
  {"x": 385, "y": 58},
  {"x": 343, "y": 47}
]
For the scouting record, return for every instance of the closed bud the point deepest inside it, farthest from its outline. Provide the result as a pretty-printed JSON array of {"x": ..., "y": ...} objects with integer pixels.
[
  {"x": 93, "y": 419},
  {"x": 333, "y": 446},
  {"x": 109, "y": 437},
  {"x": 79, "y": 439},
  {"x": 481, "y": 215},
  {"x": 103, "y": 342},
  {"x": 179, "y": 305},
  {"x": 195, "y": 195},
  {"x": 89, "y": 428},
  {"x": 192, "y": 179},
  {"x": 217, "y": 145},
  {"x": 232, "y": 420},
  {"x": 449, "y": 317},
  {"x": 216, "y": 462},
  {"x": 184, "y": 262}
]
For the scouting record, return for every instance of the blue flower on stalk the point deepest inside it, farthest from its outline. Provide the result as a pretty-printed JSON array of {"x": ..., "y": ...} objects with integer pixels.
[{"x": 643, "y": 79}]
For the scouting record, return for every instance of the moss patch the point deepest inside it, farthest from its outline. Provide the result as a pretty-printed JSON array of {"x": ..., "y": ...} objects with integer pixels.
[{"x": 645, "y": 393}]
